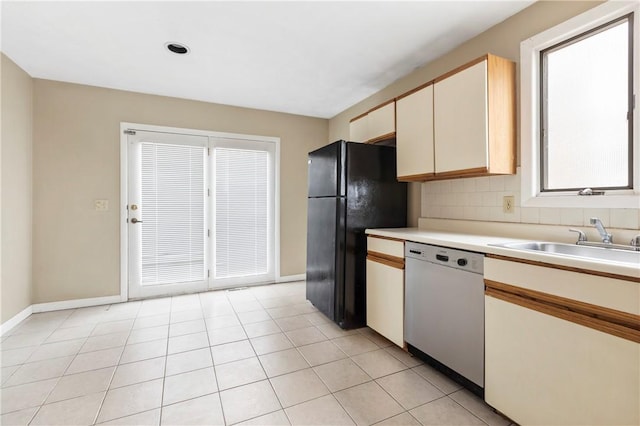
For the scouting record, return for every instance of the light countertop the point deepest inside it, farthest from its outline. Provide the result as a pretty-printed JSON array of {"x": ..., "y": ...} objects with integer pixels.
[{"x": 481, "y": 244}]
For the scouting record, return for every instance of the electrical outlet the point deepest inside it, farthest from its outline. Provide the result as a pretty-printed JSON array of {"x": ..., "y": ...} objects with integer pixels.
[
  {"x": 101, "y": 205},
  {"x": 508, "y": 204}
]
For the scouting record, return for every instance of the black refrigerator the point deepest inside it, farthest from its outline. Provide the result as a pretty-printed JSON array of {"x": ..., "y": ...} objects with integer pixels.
[{"x": 352, "y": 186}]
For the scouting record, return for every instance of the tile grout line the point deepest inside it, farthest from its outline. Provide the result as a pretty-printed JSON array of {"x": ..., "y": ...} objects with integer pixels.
[
  {"x": 33, "y": 416},
  {"x": 213, "y": 367},
  {"x": 95, "y": 418},
  {"x": 264, "y": 371},
  {"x": 60, "y": 377},
  {"x": 466, "y": 409}
]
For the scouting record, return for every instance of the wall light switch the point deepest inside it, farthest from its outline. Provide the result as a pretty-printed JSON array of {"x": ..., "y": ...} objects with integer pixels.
[{"x": 101, "y": 205}]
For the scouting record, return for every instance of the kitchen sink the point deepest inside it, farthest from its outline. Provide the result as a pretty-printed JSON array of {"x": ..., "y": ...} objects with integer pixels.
[{"x": 596, "y": 253}]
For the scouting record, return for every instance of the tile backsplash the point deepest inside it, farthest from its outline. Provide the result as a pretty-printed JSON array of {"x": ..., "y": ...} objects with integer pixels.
[{"x": 481, "y": 199}]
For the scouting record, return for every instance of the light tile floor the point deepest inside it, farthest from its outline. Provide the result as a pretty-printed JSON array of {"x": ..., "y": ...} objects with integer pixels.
[{"x": 261, "y": 355}]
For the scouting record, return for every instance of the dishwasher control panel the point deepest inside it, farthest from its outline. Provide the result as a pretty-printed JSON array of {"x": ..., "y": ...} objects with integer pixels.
[{"x": 453, "y": 258}]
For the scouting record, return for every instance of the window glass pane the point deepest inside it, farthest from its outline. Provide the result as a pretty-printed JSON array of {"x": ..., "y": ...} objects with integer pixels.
[
  {"x": 242, "y": 212},
  {"x": 173, "y": 227},
  {"x": 587, "y": 89}
]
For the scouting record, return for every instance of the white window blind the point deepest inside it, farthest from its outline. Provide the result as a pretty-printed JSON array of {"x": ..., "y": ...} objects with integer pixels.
[
  {"x": 242, "y": 212},
  {"x": 173, "y": 213}
]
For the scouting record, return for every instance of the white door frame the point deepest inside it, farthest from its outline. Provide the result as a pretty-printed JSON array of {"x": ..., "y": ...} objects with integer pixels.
[{"x": 124, "y": 181}]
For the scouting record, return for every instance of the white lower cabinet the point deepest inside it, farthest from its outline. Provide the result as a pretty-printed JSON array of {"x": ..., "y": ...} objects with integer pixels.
[
  {"x": 554, "y": 352},
  {"x": 385, "y": 288},
  {"x": 543, "y": 370}
]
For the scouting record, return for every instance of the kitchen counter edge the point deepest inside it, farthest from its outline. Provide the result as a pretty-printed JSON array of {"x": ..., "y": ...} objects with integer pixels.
[{"x": 481, "y": 244}]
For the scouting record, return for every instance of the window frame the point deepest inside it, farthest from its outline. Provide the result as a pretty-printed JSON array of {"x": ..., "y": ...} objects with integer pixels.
[{"x": 531, "y": 112}]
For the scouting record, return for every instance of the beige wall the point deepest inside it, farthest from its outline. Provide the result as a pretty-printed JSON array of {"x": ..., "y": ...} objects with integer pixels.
[
  {"x": 77, "y": 160},
  {"x": 502, "y": 40},
  {"x": 17, "y": 124}
]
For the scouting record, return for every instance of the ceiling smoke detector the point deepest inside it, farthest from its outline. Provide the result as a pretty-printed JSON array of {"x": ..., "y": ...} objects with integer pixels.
[{"x": 177, "y": 48}]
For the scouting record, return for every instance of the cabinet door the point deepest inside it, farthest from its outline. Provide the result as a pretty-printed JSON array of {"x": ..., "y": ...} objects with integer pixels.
[
  {"x": 543, "y": 370},
  {"x": 414, "y": 135},
  {"x": 359, "y": 130},
  {"x": 382, "y": 122},
  {"x": 460, "y": 121},
  {"x": 385, "y": 300}
]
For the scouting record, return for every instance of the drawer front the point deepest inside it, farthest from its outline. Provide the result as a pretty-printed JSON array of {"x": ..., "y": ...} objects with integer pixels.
[
  {"x": 601, "y": 291},
  {"x": 385, "y": 246}
]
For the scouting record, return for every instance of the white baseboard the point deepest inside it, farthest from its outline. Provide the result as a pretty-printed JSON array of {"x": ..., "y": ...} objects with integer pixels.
[
  {"x": 291, "y": 278},
  {"x": 94, "y": 301},
  {"x": 15, "y": 320},
  {"x": 75, "y": 303}
]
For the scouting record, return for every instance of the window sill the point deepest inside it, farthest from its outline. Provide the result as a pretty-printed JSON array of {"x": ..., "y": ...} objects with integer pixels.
[{"x": 631, "y": 201}]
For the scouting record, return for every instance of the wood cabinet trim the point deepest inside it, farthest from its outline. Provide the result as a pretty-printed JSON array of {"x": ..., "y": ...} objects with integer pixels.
[
  {"x": 607, "y": 314},
  {"x": 385, "y": 238},
  {"x": 598, "y": 318},
  {"x": 417, "y": 178},
  {"x": 414, "y": 90},
  {"x": 461, "y": 68},
  {"x": 364, "y": 114},
  {"x": 501, "y": 86},
  {"x": 358, "y": 117},
  {"x": 565, "y": 268},
  {"x": 381, "y": 105},
  {"x": 461, "y": 173},
  {"x": 386, "y": 259},
  {"x": 382, "y": 138}
]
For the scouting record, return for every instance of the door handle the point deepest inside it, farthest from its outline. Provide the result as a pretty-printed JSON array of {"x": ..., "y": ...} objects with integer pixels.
[{"x": 134, "y": 220}]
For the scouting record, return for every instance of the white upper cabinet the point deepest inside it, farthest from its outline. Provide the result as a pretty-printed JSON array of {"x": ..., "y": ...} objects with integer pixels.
[
  {"x": 414, "y": 135},
  {"x": 358, "y": 129},
  {"x": 461, "y": 120},
  {"x": 382, "y": 122},
  {"x": 376, "y": 125},
  {"x": 462, "y": 124},
  {"x": 474, "y": 119}
]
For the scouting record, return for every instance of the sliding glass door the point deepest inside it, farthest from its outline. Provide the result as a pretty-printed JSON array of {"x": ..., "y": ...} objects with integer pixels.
[
  {"x": 200, "y": 213},
  {"x": 243, "y": 212}
]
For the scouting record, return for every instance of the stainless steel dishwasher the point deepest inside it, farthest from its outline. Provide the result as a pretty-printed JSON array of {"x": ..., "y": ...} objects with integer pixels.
[{"x": 444, "y": 310}]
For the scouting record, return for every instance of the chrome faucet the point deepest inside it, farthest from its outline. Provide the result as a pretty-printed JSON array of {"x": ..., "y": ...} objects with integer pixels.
[{"x": 607, "y": 238}]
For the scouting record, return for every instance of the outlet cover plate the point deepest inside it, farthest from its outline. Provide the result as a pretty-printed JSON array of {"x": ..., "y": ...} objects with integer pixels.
[{"x": 508, "y": 204}]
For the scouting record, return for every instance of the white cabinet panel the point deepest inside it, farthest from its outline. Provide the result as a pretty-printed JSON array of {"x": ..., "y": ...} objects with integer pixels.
[
  {"x": 358, "y": 130},
  {"x": 382, "y": 122},
  {"x": 608, "y": 292},
  {"x": 386, "y": 246},
  {"x": 385, "y": 301},
  {"x": 543, "y": 370},
  {"x": 414, "y": 135},
  {"x": 376, "y": 125},
  {"x": 461, "y": 120}
]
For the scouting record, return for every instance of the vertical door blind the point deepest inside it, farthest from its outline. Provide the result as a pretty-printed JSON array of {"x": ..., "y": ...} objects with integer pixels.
[
  {"x": 173, "y": 213},
  {"x": 242, "y": 212}
]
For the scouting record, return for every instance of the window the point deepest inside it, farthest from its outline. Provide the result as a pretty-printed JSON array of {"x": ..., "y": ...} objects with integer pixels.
[
  {"x": 586, "y": 96},
  {"x": 578, "y": 118}
]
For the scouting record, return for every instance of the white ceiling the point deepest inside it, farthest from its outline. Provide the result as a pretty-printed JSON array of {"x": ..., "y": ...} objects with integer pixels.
[{"x": 308, "y": 58}]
